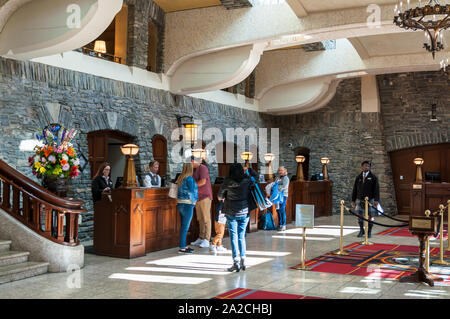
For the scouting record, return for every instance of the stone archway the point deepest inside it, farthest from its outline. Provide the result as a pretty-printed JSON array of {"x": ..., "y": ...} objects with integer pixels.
[{"x": 398, "y": 142}]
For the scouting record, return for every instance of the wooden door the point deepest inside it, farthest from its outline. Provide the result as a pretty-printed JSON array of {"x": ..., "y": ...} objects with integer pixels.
[
  {"x": 98, "y": 150},
  {"x": 159, "y": 146}
]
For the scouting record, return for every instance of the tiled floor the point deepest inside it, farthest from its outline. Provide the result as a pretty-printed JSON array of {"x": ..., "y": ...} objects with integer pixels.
[{"x": 166, "y": 274}]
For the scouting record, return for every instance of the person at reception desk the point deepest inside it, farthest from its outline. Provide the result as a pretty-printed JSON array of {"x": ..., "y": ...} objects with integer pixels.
[
  {"x": 366, "y": 185},
  {"x": 283, "y": 187},
  {"x": 102, "y": 182},
  {"x": 203, "y": 206},
  {"x": 235, "y": 192},
  {"x": 186, "y": 199},
  {"x": 153, "y": 179}
]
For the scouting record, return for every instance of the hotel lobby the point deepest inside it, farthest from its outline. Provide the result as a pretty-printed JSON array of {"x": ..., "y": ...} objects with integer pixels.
[{"x": 146, "y": 88}]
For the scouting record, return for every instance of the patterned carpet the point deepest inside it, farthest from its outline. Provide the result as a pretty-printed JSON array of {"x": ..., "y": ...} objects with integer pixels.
[
  {"x": 242, "y": 293},
  {"x": 404, "y": 232},
  {"x": 379, "y": 261}
]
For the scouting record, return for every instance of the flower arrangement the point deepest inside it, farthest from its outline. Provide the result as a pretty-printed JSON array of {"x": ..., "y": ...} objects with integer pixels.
[{"x": 55, "y": 157}]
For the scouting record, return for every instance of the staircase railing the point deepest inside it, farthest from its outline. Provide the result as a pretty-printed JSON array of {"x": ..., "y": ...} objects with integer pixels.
[{"x": 50, "y": 216}]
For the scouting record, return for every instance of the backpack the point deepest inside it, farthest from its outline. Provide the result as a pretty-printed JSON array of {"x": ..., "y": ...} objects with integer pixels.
[{"x": 267, "y": 221}]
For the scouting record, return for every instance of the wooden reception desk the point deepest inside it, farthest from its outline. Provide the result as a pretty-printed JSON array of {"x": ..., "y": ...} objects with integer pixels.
[{"x": 317, "y": 193}]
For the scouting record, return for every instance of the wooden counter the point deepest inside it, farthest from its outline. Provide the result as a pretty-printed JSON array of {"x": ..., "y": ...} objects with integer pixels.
[
  {"x": 428, "y": 196},
  {"x": 317, "y": 193}
]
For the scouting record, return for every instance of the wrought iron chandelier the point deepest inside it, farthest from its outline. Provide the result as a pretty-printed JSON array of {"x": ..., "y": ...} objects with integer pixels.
[{"x": 433, "y": 18}]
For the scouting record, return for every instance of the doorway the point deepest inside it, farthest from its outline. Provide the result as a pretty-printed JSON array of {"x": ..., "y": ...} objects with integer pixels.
[{"x": 104, "y": 146}]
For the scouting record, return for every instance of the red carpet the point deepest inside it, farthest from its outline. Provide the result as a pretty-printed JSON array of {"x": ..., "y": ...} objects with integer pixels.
[
  {"x": 404, "y": 232},
  {"x": 379, "y": 261},
  {"x": 242, "y": 293}
]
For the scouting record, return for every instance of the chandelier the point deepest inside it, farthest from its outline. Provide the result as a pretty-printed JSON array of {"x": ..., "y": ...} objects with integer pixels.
[{"x": 433, "y": 18}]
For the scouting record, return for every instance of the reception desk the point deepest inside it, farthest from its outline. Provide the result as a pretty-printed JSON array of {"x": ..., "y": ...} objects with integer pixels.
[
  {"x": 428, "y": 196},
  {"x": 317, "y": 193}
]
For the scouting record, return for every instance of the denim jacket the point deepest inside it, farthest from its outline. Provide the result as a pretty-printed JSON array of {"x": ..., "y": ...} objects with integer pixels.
[{"x": 188, "y": 190}]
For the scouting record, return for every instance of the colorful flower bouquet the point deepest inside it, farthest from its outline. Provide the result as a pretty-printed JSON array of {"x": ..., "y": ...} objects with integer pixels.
[{"x": 55, "y": 157}]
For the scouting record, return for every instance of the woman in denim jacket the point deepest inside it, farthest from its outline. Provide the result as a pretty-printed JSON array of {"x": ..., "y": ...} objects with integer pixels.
[{"x": 186, "y": 199}]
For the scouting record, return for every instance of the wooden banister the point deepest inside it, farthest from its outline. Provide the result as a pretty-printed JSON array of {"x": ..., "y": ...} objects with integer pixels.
[{"x": 37, "y": 208}]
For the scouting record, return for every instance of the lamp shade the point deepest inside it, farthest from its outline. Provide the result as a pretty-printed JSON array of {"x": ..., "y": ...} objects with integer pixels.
[
  {"x": 300, "y": 159},
  {"x": 418, "y": 161},
  {"x": 190, "y": 132},
  {"x": 247, "y": 156},
  {"x": 100, "y": 46},
  {"x": 199, "y": 153},
  {"x": 324, "y": 160},
  {"x": 269, "y": 157},
  {"x": 130, "y": 149}
]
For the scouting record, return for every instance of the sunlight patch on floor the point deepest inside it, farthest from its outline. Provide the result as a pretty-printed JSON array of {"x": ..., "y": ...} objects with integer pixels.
[
  {"x": 307, "y": 238},
  {"x": 160, "y": 279}
]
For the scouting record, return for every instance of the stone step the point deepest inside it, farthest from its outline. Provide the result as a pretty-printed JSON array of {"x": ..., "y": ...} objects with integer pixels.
[
  {"x": 23, "y": 270},
  {"x": 5, "y": 245},
  {"x": 13, "y": 257}
]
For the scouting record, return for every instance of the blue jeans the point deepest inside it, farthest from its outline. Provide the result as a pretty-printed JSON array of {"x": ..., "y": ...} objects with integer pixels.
[
  {"x": 237, "y": 228},
  {"x": 186, "y": 212},
  {"x": 282, "y": 212}
]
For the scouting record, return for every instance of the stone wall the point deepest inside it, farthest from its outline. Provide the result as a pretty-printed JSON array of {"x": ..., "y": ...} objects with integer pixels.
[
  {"x": 140, "y": 12},
  {"x": 33, "y": 95},
  {"x": 341, "y": 132},
  {"x": 406, "y": 100}
]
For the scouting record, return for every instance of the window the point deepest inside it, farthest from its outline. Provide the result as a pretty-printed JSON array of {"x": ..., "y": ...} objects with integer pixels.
[{"x": 111, "y": 45}]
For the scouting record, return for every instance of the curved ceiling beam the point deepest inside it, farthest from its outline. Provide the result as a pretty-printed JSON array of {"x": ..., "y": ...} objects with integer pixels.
[
  {"x": 7, "y": 8},
  {"x": 44, "y": 28},
  {"x": 215, "y": 71},
  {"x": 216, "y": 28}
]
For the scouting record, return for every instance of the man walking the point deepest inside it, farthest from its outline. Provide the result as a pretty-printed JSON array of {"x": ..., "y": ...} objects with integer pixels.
[
  {"x": 366, "y": 185},
  {"x": 203, "y": 205}
]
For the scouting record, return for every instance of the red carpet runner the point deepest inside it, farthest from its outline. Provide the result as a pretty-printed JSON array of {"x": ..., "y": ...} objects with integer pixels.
[
  {"x": 404, "y": 232},
  {"x": 379, "y": 261},
  {"x": 241, "y": 293}
]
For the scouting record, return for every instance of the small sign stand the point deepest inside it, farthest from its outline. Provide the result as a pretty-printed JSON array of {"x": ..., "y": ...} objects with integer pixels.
[{"x": 304, "y": 219}]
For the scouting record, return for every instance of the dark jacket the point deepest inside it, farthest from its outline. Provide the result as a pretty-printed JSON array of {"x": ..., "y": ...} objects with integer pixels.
[
  {"x": 251, "y": 200},
  {"x": 236, "y": 196},
  {"x": 98, "y": 185},
  {"x": 369, "y": 188}
]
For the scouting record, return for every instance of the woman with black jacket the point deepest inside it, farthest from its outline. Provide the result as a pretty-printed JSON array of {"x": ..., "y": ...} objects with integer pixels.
[
  {"x": 235, "y": 192},
  {"x": 102, "y": 182}
]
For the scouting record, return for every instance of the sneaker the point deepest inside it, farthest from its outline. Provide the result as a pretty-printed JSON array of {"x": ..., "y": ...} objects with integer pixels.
[
  {"x": 204, "y": 243},
  {"x": 213, "y": 249},
  {"x": 283, "y": 228},
  {"x": 197, "y": 242},
  {"x": 186, "y": 250},
  {"x": 221, "y": 249}
]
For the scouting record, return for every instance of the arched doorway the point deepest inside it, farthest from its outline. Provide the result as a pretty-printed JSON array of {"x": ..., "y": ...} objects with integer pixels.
[
  {"x": 159, "y": 147},
  {"x": 305, "y": 152},
  {"x": 104, "y": 146}
]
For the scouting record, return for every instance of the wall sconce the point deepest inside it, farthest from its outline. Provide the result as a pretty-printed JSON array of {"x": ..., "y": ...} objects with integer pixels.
[
  {"x": 325, "y": 161},
  {"x": 269, "y": 157},
  {"x": 129, "y": 174},
  {"x": 419, "y": 162},
  {"x": 247, "y": 157},
  {"x": 100, "y": 47},
  {"x": 300, "y": 159},
  {"x": 190, "y": 129}
]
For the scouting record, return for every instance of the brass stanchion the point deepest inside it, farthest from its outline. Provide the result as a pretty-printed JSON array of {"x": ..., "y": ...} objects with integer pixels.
[
  {"x": 441, "y": 260},
  {"x": 427, "y": 255},
  {"x": 341, "y": 239},
  {"x": 366, "y": 223},
  {"x": 303, "y": 266},
  {"x": 448, "y": 225}
]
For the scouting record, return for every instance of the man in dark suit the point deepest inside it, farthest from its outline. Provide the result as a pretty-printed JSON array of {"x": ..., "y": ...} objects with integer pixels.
[{"x": 366, "y": 185}]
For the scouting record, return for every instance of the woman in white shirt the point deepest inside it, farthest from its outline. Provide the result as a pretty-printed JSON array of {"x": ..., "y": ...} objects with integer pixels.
[{"x": 153, "y": 179}]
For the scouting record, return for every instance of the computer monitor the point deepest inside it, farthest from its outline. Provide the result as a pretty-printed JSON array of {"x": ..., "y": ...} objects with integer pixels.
[{"x": 433, "y": 176}]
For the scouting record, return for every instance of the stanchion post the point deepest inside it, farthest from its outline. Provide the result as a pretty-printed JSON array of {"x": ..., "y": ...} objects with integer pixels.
[
  {"x": 341, "y": 238},
  {"x": 427, "y": 255},
  {"x": 448, "y": 225},
  {"x": 303, "y": 266},
  {"x": 441, "y": 260},
  {"x": 366, "y": 223}
]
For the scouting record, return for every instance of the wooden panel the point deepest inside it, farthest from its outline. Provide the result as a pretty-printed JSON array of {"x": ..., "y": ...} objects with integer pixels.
[
  {"x": 121, "y": 35},
  {"x": 98, "y": 150},
  {"x": 159, "y": 148},
  {"x": 153, "y": 40}
]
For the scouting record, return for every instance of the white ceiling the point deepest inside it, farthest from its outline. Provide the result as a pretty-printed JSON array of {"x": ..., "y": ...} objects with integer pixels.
[
  {"x": 328, "y": 5},
  {"x": 396, "y": 43}
]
